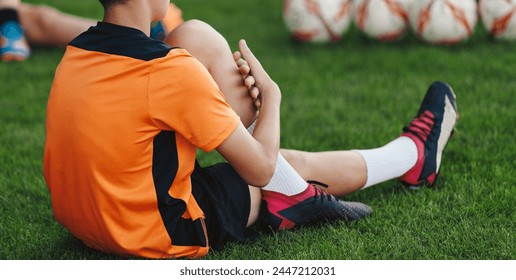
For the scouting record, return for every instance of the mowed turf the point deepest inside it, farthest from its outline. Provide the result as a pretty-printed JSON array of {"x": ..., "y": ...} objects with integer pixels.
[{"x": 357, "y": 93}]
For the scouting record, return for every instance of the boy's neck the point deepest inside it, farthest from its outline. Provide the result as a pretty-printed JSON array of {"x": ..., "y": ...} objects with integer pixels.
[{"x": 130, "y": 16}]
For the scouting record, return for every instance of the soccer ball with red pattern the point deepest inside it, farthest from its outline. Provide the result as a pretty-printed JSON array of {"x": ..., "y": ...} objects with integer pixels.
[
  {"x": 385, "y": 20},
  {"x": 317, "y": 20},
  {"x": 499, "y": 17},
  {"x": 444, "y": 21}
]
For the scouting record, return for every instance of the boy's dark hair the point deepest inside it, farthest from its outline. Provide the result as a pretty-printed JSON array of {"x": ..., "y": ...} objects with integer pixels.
[{"x": 109, "y": 3}]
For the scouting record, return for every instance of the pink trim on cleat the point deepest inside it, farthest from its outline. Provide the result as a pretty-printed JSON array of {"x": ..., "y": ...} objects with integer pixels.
[
  {"x": 421, "y": 127},
  {"x": 282, "y": 202}
]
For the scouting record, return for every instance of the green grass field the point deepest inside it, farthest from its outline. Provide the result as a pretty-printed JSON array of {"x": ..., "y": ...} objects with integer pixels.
[{"x": 354, "y": 94}]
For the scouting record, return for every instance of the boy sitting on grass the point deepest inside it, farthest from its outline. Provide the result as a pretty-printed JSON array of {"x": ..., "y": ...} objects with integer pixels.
[{"x": 126, "y": 114}]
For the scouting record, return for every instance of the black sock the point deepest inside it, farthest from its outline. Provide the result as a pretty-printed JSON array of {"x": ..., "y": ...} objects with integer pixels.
[{"x": 8, "y": 14}]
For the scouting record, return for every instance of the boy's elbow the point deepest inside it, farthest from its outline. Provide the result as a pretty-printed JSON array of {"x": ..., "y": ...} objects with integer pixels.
[
  {"x": 266, "y": 172},
  {"x": 263, "y": 181}
]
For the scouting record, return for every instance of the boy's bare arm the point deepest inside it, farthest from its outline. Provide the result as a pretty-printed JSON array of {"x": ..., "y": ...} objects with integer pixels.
[{"x": 254, "y": 156}]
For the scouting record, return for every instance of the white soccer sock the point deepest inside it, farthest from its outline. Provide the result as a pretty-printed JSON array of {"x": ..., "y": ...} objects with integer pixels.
[
  {"x": 285, "y": 180},
  {"x": 390, "y": 161}
]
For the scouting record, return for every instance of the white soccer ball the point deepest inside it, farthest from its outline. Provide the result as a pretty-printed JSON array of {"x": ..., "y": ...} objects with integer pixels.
[
  {"x": 317, "y": 20},
  {"x": 499, "y": 17},
  {"x": 444, "y": 21},
  {"x": 385, "y": 20}
]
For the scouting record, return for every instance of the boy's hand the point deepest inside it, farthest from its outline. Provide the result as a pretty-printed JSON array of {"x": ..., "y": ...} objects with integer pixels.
[
  {"x": 255, "y": 78},
  {"x": 249, "y": 80}
]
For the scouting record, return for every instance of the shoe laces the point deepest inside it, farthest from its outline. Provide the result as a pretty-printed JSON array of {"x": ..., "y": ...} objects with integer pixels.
[
  {"x": 321, "y": 195},
  {"x": 422, "y": 125}
]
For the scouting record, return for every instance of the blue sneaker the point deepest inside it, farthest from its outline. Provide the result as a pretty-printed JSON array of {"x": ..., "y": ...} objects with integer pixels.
[
  {"x": 13, "y": 46},
  {"x": 430, "y": 130}
]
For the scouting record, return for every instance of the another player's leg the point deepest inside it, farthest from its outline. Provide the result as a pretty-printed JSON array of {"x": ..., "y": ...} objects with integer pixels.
[
  {"x": 414, "y": 157},
  {"x": 13, "y": 45},
  {"x": 45, "y": 25}
]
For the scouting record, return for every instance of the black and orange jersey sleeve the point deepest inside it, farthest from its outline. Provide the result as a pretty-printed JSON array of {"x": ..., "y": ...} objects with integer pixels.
[{"x": 202, "y": 117}]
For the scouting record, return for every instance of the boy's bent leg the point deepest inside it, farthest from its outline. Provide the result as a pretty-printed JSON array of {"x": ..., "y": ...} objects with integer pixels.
[{"x": 213, "y": 51}]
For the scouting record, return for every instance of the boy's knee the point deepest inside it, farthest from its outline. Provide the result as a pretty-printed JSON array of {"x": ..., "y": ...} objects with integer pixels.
[
  {"x": 196, "y": 35},
  {"x": 198, "y": 27}
]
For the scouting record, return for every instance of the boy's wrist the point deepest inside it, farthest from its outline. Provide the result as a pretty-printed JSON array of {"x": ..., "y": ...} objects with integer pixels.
[{"x": 271, "y": 94}]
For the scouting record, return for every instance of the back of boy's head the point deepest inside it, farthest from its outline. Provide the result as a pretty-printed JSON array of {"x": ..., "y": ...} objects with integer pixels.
[{"x": 108, "y": 3}]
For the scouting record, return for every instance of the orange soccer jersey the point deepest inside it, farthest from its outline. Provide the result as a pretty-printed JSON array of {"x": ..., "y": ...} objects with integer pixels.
[{"x": 124, "y": 118}]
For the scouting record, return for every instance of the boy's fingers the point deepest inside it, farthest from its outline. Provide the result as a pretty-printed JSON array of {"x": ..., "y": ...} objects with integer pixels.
[
  {"x": 257, "y": 103},
  {"x": 249, "y": 81},
  {"x": 237, "y": 55},
  {"x": 244, "y": 70},
  {"x": 240, "y": 62},
  {"x": 249, "y": 57},
  {"x": 260, "y": 78},
  {"x": 255, "y": 92}
]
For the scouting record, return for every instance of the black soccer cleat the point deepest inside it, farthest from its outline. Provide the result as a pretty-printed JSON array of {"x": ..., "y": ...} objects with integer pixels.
[
  {"x": 311, "y": 207},
  {"x": 430, "y": 130}
]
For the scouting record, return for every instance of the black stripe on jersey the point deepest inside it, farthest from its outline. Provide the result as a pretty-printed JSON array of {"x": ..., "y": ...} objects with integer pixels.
[
  {"x": 182, "y": 232},
  {"x": 120, "y": 40}
]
